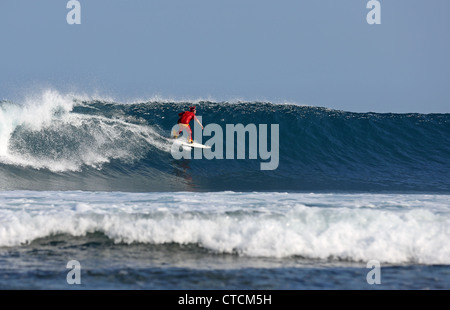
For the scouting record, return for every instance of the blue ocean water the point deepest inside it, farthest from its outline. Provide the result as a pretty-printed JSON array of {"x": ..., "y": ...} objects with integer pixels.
[{"x": 94, "y": 181}]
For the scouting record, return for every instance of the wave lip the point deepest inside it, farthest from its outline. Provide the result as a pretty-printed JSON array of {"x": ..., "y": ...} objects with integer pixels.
[
  {"x": 45, "y": 133},
  {"x": 394, "y": 229}
]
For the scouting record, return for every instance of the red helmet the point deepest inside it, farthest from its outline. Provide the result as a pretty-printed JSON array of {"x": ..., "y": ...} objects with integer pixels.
[{"x": 192, "y": 109}]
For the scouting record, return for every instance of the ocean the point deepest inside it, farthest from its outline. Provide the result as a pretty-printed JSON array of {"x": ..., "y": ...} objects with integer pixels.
[{"x": 92, "y": 198}]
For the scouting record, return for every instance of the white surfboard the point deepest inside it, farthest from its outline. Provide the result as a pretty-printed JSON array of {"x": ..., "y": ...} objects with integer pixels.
[{"x": 192, "y": 145}]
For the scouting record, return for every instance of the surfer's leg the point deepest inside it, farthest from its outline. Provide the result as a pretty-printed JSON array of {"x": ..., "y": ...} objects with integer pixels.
[
  {"x": 188, "y": 129},
  {"x": 190, "y": 134},
  {"x": 181, "y": 127},
  {"x": 175, "y": 133}
]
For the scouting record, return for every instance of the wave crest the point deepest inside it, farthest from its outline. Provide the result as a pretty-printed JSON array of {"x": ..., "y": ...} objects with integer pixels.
[{"x": 44, "y": 132}]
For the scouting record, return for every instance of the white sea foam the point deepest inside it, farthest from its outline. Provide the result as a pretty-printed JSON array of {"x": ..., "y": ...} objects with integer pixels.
[
  {"x": 387, "y": 228},
  {"x": 93, "y": 140}
]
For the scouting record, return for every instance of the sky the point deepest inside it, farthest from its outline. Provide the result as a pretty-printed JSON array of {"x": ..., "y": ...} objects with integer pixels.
[{"x": 307, "y": 52}]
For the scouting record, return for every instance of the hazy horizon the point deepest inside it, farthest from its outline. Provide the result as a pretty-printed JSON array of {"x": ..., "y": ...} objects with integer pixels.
[{"x": 310, "y": 53}]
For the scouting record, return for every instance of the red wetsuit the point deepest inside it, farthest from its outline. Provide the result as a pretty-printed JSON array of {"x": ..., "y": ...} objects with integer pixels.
[{"x": 185, "y": 118}]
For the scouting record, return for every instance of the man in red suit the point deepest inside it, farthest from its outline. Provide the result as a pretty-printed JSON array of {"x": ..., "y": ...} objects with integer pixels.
[{"x": 183, "y": 122}]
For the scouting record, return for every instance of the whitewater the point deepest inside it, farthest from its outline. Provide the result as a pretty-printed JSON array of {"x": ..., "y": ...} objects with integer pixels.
[
  {"x": 353, "y": 227},
  {"x": 93, "y": 180}
]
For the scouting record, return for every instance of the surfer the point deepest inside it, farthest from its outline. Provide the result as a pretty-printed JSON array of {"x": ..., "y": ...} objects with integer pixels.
[{"x": 183, "y": 122}]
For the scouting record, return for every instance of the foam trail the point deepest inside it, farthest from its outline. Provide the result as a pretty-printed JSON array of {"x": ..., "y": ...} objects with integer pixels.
[{"x": 44, "y": 132}]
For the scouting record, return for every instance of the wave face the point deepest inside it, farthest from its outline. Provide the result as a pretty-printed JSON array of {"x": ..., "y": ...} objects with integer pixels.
[{"x": 60, "y": 142}]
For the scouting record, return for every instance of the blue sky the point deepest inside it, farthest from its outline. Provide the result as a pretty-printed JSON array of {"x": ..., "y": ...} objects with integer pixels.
[{"x": 320, "y": 53}]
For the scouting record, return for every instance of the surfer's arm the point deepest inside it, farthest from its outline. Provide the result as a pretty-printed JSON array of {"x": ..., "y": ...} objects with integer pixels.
[{"x": 198, "y": 121}]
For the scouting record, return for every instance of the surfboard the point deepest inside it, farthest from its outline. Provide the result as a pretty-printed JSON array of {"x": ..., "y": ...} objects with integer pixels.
[{"x": 192, "y": 145}]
